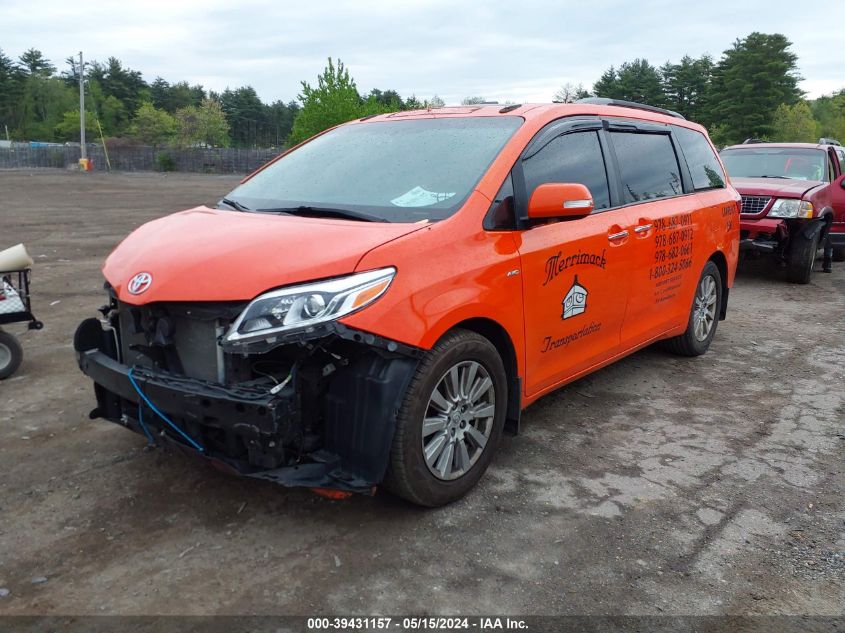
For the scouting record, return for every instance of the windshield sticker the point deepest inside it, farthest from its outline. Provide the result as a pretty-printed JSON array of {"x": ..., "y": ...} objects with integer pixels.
[{"x": 419, "y": 197}]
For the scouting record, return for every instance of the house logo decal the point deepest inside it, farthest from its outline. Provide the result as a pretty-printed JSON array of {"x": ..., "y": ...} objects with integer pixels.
[{"x": 575, "y": 301}]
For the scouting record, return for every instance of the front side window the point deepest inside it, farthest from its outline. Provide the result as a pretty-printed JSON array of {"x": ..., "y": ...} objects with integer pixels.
[
  {"x": 394, "y": 171},
  {"x": 840, "y": 155},
  {"x": 776, "y": 162},
  {"x": 648, "y": 166},
  {"x": 571, "y": 158},
  {"x": 702, "y": 162}
]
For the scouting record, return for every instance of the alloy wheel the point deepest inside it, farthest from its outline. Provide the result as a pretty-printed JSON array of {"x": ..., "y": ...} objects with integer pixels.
[
  {"x": 704, "y": 311},
  {"x": 458, "y": 420}
]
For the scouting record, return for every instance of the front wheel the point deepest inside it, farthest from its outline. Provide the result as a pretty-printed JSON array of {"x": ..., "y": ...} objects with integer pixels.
[
  {"x": 11, "y": 354},
  {"x": 450, "y": 421},
  {"x": 704, "y": 315},
  {"x": 802, "y": 257}
]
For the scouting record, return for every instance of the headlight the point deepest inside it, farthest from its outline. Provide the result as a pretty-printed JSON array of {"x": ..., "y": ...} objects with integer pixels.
[
  {"x": 786, "y": 208},
  {"x": 299, "y": 307}
]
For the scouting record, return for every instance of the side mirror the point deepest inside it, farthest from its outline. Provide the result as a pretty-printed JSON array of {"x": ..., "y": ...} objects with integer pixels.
[{"x": 560, "y": 200}]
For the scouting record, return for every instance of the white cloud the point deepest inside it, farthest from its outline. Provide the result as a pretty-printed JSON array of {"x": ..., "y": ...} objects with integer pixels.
[{"x": 522, "y": 51}]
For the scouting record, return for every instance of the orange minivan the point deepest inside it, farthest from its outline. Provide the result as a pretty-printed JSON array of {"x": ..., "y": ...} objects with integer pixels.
[{"x": 378, "y": 304}]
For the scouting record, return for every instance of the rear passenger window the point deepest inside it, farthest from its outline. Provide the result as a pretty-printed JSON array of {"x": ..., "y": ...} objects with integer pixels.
[
  {"x": 648, "y": 166},
  {"x": 705, "y": 169},
  {"x": 570, "y": 158}
]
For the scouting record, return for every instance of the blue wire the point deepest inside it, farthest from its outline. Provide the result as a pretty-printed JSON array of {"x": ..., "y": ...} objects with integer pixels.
[
  {"x": 144, "y": 426},
  {"x": 160, "y": 414}
]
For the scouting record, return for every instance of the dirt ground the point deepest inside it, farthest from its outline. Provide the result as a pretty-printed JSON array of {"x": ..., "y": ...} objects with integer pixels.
[{"x": 659, "y": 485}]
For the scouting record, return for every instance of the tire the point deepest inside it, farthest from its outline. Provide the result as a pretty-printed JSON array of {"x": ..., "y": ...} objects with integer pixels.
[
  {"x": 839, "y": 254},
  {"x": 470, "y": 361},
  {"x": 11, "y": 354},
  {"x": 802, "y": 256},
  {"x": 704, "y": 315}
]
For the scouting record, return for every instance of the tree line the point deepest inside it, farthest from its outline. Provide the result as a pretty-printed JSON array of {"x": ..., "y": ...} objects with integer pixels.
[{"x": 751, "y": 91}]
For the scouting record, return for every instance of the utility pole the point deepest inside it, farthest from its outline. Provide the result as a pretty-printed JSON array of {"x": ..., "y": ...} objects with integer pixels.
[{"x": 82, "y": 154}]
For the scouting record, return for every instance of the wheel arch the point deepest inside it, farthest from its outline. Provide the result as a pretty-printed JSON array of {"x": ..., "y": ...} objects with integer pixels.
[
  {"x": 718, "y": 258},
  {"x": 501, "y": 340}
]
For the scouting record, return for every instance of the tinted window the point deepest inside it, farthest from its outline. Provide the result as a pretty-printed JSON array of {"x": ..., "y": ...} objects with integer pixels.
[
  {"x": 570, "y": 158},
  {"x": 703, "y": 165},
  {"x": 402, "y": 171},
  {"x": 648, "y": 166},
  {"x": 501, "y": 214},
  {"x": 840, "y": 154}
]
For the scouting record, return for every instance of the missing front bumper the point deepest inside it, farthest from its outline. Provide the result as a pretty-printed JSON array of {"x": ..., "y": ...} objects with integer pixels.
[{"x": 253, "y": 432}]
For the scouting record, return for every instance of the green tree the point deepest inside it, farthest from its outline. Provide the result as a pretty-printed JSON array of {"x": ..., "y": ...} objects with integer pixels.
[
  {"x": 640, "y": 82},
  {"x": 68, "y": 128},
  {"x": 686, "y": 86},
  {"x": 333, "y": 101},
  {"x": 33, "y": 62},
  {"x": 607, "y": 86},
  {"x": 388, "y": 99},
  {"x": 249, "y": 124},
  {"x": 754, "y": 76},
  {"x": 41, "y": 106},
  {"x": 153, "y": 126},
  {"x": 829, "y": 112},
  {"x": 794, "y": 124},
  {"x": 124, "y": 84},
  {"x": 472, "y": 100},
  {"x": 170, "y": 98},
  {"x": 205, "y": 125}
]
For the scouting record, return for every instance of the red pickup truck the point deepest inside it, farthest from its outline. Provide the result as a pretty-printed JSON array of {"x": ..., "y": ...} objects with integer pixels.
[{"x": 793, "y": 201}]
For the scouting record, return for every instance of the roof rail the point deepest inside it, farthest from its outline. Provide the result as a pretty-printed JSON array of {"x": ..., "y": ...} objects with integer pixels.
[
  {"x": 828, "y": 141},
  {"x": 753, "y": 141},
  {"x": 630, "y": 104}
]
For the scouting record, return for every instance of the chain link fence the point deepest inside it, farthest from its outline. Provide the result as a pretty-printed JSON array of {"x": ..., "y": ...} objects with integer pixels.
[{"x": 224, "y": 160}]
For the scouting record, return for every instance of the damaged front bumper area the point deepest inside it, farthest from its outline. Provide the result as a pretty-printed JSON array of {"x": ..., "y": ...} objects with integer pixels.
[{"x": 316, "y": 410}]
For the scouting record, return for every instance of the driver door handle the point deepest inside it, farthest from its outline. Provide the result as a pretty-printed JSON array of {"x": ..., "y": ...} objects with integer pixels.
[
  {"x": 617, "y": 236},
  {"x": 642, "y": 228}
]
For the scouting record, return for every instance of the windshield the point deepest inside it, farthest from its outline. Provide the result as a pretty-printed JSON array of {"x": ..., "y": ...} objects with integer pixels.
[
  {"x": 396, "y": 171},
  {"x": 775, "y": 162}
]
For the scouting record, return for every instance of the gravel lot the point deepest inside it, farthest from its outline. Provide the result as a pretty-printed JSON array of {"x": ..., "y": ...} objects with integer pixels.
[{"x": 659, "y": 485}]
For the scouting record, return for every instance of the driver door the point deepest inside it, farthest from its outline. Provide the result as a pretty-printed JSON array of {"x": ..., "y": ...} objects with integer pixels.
[{"x": 575, "y": 272}]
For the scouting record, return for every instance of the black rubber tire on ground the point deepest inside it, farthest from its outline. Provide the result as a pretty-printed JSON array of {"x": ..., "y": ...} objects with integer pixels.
[
  {"x": 802, "y": 256},
  {"x": 688, "y": 344},
  {"x": 11, "y": 354},
  {"x": 839, "y": 254},
  {"x": 408, "y": 475}
]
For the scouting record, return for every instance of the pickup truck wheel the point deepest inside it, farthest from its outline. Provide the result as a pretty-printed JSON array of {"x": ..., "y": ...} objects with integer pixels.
[
  {"x": 704, "y": 315},
  {"x": 802, "y": 257},
  {"x": 450, "y": 422},
  {"x": 11, "y": 354},
  {"x": 839, "y": 254}
]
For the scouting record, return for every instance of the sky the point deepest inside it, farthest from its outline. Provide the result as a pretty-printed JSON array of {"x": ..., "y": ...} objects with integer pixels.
[{"x": 518, "y": 50}]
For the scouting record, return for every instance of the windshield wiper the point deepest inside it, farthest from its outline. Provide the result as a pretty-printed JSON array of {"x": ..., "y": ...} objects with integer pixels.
[
  {"x": 325, "y": 212},
  {"x": 234, "y": 204},
  {"x": 784, "y": 177}
]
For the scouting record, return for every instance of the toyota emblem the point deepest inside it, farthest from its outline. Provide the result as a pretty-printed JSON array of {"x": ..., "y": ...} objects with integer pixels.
[{"x": 139, "y": 283}]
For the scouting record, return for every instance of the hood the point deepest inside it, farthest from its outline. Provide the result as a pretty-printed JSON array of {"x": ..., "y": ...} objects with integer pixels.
[
  {"x": 211, "y": 255},
  {"x": 775, "y": 187}
]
